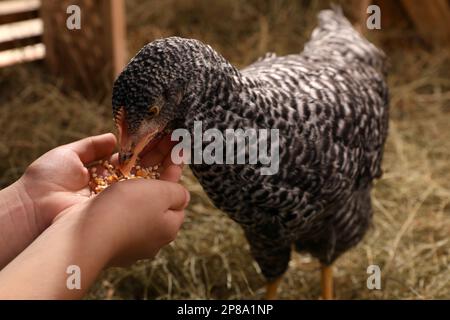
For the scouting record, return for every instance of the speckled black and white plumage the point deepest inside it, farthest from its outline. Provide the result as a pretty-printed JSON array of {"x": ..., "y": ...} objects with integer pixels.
[{"x": 329, "y": 102}]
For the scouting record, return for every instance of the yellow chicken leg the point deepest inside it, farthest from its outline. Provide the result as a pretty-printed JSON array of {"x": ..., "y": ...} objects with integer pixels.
[
  {"x": 327, "y": 282},
  {"x": 271, "y": 289}
]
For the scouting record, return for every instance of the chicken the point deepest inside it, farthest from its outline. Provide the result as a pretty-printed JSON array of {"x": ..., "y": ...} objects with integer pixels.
[{"x": 330, "y": 105}]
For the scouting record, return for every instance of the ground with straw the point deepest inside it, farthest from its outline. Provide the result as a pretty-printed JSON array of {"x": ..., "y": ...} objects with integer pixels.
[{"x": 210, "y": 258}]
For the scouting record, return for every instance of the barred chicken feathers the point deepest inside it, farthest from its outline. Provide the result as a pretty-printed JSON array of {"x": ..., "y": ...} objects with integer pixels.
[{"x": 330, "y": 105}]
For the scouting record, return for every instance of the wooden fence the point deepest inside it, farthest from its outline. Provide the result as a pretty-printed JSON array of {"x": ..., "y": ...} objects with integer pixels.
[{"x": 89, "y": 58}]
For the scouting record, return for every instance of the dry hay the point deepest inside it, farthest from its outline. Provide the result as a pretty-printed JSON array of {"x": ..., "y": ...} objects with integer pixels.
[
  {"x": 35, "y": 117},
  {"x": 210, "y": 258}
]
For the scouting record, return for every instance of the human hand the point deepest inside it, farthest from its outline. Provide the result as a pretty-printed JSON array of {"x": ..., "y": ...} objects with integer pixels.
[
  {"x": 128, "y": 221},
  {"x": 52, "y": 183},
  {"x": 139, "y": 216},
  {"x": 55, "y": 182},
  {"x": 59, "y": 178}
]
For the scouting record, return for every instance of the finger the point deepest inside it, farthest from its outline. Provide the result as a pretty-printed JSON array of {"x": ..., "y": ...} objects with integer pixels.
[
  {"x": 93, "y": 148},
  {"x": 173, "y": 222},
  {"x": 143, "y": 193},
  {"x": 171, "y": 173},
  {"x": 114, "y": 159},
  {"x": 173, "y": 195},
  {"x": 159, "y": 153},
  {"x": 176, "y": 215}
]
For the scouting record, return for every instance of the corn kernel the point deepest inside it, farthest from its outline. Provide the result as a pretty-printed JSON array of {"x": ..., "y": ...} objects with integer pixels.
[{"x": 98, "y": 183}]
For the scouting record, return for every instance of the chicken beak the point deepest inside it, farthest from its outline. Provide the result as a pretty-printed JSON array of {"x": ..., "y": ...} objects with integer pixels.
[
  {"x": 130, "y": 150},
  {"x": 126, "y": 152},
  {"x": 132, "y": 144}
]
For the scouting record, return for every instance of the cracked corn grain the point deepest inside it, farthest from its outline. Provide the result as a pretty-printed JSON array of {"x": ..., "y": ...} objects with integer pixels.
[{"x": 99, "y": 182}]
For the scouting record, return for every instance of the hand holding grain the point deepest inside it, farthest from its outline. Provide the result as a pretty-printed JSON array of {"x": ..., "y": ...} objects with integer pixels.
[
  {"x": 58, "y": 179},
  {"x": 56, "y": 185},
  {"x": 117, "y": 227}
]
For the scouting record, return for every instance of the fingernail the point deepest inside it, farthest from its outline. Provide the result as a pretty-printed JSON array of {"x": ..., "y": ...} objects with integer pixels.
[{"x": 188, "y": 197}]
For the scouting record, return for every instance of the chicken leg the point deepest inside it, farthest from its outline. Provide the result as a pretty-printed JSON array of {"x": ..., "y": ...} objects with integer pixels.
[
  {"x": 271, "y": 289},
  {"x": 327, "y": 282}
]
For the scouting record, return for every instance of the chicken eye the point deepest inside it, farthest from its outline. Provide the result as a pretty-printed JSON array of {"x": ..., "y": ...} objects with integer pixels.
[{"x": 153, "y": 111}]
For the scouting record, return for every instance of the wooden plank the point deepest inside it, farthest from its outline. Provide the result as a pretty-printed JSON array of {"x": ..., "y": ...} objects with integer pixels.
[
  {"x": 87, "y": 59},
  {"x": 19, "y": 43},
  {"x": 117, "y": 25},
  {"x": 19, "y": 55},
  {"x": 397, "y": 29},
  {"x": 18, "y": 6},
  {"x": 20, "y": 16},
  {"x": 393, "y": 15},
  {"x": 356, "y": 12},
  {"x": 431, "y": 19},
  {"x": 21, "y": 30}
]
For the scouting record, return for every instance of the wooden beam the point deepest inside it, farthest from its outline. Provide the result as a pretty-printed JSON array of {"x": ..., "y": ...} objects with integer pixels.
[
  {"x": 431, "y": 19},
  {"x": 18, "y": 16},
  {"x": 20, "y": 55},
  {"x": 20, "y": 32},
  {"x": 87, "y": 59},
  {"x": 118, "y": 44},
  {"x": 18, "y": 6},
  {"x": 20, "y": 43},
  {"x": 356, "y": 12}
]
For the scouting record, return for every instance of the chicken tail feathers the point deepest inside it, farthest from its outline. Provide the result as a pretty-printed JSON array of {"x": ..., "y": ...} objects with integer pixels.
[
  {"x": 333, "y": 19},
  {"x": 335, "y": 37}
]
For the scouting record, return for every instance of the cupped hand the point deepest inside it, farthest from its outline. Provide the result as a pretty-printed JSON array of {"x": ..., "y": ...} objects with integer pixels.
[
  {"x": 59, "y": 178},
  {"x": 128, "y": 221}
]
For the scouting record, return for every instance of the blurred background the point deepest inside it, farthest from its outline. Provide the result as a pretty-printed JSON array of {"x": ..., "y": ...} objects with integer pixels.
[{"x": 57, "y": 90}]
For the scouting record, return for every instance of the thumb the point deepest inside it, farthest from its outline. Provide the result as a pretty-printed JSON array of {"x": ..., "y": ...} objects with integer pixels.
[
  {"x": 174, "y": 195},
  {"x": 142, "y": 194},
  {"x": 94, "y": 148}
]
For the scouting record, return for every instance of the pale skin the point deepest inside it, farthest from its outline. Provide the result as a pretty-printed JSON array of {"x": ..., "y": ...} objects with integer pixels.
[{"x": 49, "y": 220}]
